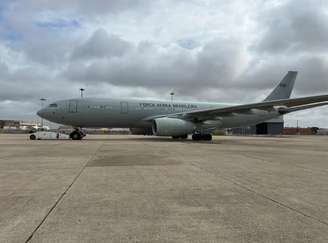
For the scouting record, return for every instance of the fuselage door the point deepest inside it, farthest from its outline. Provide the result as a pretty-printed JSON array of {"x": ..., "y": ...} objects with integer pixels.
[
  {"x": 72, "y": 106},
  {"x": 124, "y": 107}
]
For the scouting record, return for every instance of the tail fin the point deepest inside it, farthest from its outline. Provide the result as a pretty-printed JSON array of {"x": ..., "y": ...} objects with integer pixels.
[{"x": 284, "y": 88}]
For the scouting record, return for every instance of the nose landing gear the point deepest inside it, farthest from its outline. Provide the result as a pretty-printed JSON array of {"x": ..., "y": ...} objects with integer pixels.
[{"x": 77, "y": 134}]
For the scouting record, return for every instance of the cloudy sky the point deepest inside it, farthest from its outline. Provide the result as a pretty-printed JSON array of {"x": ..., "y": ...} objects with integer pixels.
[{"x": 207, "y": 50}]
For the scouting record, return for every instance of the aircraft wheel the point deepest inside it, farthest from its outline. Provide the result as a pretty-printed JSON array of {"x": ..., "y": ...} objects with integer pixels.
[
  {"x": 196, "y": 137},
  {"x": 32, "y": 137},
  {"x": 207, "y": 137},
  {"x": 75, "y": 135}
]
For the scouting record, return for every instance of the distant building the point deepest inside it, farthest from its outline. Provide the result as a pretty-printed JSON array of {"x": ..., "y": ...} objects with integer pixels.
[
  {"x": 9, "y": 124},
  {"x": 32, "y": 125},
  {"x": 270, "y": 127},
  {"x": 322, "y": 131},
  {"x": 300, "y": 131},
  {"x": 14, "y": 125}
]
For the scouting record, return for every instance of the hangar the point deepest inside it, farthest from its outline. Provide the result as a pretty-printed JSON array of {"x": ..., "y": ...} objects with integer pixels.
[{"x": 270, "y": 127}]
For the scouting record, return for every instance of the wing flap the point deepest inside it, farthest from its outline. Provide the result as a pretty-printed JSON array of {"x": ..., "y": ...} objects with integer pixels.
[
  {"x": 302, "y": 107},
  {"x": 266, "y": 105},
  {"x": 288, "y": 105}
]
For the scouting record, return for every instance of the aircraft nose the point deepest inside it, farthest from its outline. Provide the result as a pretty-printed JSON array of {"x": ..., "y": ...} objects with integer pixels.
[{"x": 41, "y": 113}]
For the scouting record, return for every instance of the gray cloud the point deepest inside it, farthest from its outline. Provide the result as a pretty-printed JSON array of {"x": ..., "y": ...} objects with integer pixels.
[
  {"x": 312, "y": 77},
  {"x": 101, "y": 45},
  {"x": 214, "y": 50},
  {"x": 86, "y": 7},
  {"x": 22, "y": 32},
  {"x": 154, "y": 66},
  {"x": 295, "y": 26}
]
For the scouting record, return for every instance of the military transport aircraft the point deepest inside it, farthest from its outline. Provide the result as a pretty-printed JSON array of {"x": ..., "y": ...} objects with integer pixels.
[{"x": 176, "y": 119}]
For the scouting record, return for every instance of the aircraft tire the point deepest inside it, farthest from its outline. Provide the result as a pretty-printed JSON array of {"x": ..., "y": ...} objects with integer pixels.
[
  {"x": 32, "y": 137},
  {"x": 75, "y": 135},
  {"x": 207, "y": 137},
  {"x": 196, "y": 137}
]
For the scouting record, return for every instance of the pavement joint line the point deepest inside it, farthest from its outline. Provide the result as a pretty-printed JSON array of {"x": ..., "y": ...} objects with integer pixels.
[
  {"x": 277, "y": 202},
  {"x": 283, "y": 205},
  {"x": 60, "y": 198},
  {"x": 307, "y": 169}
]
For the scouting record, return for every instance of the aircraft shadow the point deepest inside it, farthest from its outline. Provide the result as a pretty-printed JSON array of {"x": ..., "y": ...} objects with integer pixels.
[{"x": 150, "y": 139}]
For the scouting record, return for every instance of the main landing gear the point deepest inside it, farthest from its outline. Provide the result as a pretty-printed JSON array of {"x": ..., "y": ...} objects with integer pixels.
[
  {"x": 77, "y": 134},
  {"x": 195, "y": 137},
  {"x": 199, "y": 137}
]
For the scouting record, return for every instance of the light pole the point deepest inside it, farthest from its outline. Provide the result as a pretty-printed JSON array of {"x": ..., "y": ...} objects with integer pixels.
[
  {"x": 42, "y": 103},
  {"x": 172, "y": 95},
  {"x": 82, "y": 92}
]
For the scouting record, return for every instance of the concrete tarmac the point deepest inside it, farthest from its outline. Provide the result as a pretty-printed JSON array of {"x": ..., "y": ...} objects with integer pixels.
[{"x": 145, "y": 189}]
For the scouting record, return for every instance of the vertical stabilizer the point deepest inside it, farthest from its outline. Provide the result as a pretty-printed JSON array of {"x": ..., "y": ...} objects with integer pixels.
[{"x": 284, "y": 88}]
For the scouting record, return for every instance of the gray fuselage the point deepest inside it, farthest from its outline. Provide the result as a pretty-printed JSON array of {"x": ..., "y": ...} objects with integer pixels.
[{"x": 135, "y": 113}]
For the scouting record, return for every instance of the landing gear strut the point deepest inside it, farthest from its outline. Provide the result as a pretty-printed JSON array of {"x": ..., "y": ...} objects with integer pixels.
[
  {"x": 199, "y": 136},
  {"x": 77, "y": 134}
]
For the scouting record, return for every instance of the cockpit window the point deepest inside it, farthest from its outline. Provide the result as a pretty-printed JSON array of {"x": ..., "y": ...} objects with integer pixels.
[{"x": 53, "y": 105}]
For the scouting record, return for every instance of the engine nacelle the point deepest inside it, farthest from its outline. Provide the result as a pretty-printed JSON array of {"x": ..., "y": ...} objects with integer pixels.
[
  {"x": 281, "y": 109},
  {"x": 172, "y": 127}
]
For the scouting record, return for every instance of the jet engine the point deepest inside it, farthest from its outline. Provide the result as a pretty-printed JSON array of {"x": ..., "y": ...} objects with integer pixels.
[{"x": 172, "y": 127}]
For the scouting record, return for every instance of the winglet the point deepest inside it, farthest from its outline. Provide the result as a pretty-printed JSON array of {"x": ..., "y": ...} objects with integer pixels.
[{"x": 284, "y": 88}]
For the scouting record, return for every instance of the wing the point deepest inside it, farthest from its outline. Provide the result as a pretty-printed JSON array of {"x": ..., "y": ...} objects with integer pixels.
[{"x": 284, "y": 106}]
